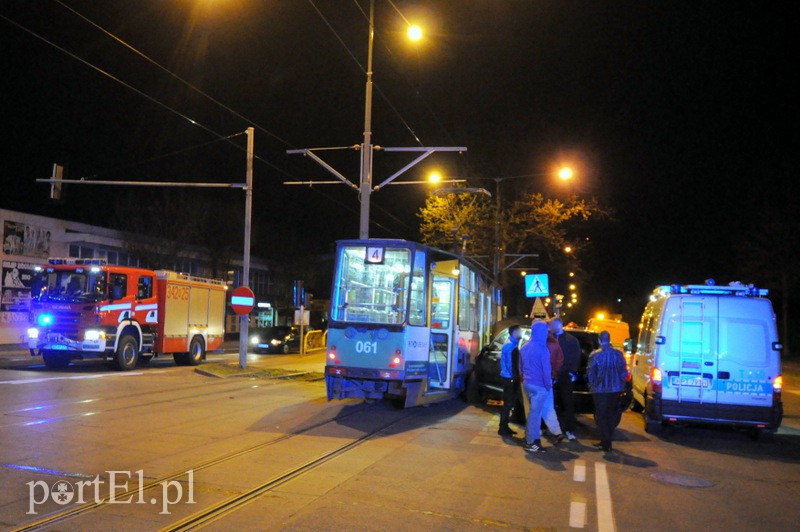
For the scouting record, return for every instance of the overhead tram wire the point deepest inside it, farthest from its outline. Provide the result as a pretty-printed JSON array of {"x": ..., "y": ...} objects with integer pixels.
[
  {"x": 236, "y": 113},
  {"x": 364, "y": 71},
  {"x": 143, "y": 94},
  {"x": 175, "y": 76}
]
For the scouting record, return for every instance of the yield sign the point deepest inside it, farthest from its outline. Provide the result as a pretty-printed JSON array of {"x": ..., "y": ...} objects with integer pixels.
[{"x": 243, "y": 300}]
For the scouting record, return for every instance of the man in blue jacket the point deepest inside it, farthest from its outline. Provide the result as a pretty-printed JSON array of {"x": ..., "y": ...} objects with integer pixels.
[
  {"x": 606, "y": 374},
  {"x": 537, "y": 381},
  {"x": 509, "y": 373}
]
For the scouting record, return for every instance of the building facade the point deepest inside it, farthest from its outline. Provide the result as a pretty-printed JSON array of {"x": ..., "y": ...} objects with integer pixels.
[{"x": 28, "y": 240}]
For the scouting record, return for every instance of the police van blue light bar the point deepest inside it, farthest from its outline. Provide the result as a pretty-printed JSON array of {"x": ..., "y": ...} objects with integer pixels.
[{"x": 735, "y": 289}]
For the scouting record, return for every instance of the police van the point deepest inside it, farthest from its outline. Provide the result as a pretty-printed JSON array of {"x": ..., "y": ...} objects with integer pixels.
[{"x": 708, "y": 354}]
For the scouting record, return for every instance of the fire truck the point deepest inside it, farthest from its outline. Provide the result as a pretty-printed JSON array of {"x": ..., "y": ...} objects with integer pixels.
[{"x": 85, "y": 308}]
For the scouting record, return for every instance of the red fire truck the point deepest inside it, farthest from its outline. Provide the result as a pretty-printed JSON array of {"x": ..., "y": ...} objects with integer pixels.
[{"x": 85, "y": 308}]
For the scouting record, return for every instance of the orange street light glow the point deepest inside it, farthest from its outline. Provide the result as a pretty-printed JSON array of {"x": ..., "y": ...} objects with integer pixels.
[
  {"x": 414, "y": 32},
  {"x": 565, "y": 173}
]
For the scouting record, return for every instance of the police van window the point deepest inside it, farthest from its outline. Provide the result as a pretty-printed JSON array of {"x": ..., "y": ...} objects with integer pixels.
[
  {"x": 145, "y": 288},
  {"x": 118, "y": 285},
  {"x": 744, "y": 341}
]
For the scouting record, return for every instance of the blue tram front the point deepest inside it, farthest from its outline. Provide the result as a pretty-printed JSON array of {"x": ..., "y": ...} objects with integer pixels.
[{"x": 406, "y": 321}]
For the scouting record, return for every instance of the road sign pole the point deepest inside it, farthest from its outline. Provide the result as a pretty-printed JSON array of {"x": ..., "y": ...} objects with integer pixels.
[{"x": 244, "y": 320}]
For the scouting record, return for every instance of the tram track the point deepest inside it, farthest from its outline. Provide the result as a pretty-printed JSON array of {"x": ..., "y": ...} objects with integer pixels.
[
  {"x": 66, "y": 515},
  {"x": 232, "y": 504},
  {"x": 222, "y": 386}
]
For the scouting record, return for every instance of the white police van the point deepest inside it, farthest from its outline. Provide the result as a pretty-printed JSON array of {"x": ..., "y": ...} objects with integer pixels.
[{"x": 708, "y": 354}]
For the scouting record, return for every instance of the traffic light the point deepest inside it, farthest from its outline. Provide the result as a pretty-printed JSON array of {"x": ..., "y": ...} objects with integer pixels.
[{"x": 55, "y": 187}]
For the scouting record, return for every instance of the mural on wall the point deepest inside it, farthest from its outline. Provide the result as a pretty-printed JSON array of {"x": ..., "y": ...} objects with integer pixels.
[
  {"x": 25, "y": 240},
  {"x": 17, "y": 278}
]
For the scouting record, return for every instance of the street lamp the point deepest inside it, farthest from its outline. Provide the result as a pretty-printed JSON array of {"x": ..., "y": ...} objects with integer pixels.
[
  {"x": 565, "y": 173},
  {"x": 414, "y": 32},
  {"x": 567, "y": 249}
]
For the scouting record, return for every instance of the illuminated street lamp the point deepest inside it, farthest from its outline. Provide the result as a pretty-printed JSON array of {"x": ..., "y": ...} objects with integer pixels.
[
  {"x": 572, "y": 287},
  {"x": 565, "y": 173},
  {"x": 572, "y": 274},
  {"x": 567, "y": 249},
  {"x": 414, "y": 32}
]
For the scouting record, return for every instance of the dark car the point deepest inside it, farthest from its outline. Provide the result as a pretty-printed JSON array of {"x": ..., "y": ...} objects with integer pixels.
[
  {"x": 485, "y": 382},
  {"x": 274, "y": 339}
]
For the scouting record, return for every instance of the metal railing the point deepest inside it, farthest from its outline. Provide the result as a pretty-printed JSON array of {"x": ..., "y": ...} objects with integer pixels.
[{"x": 315, "y": 340}]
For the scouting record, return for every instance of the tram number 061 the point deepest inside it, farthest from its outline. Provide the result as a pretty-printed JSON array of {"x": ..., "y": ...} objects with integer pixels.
[{"x": 366, "y": 347}]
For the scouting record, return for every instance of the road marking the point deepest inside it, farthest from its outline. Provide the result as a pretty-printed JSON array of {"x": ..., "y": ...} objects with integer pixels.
[
  {"x": 488, "y": 435},
  {"x": 579, "y": 475},
  {"x": 97, "y": 376},
  {"x": 577, "y": 514},
  {"x": 605, "y": 514}
]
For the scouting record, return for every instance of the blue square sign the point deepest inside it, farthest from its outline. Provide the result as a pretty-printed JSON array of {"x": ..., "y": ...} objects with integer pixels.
[{"x": 537, "y": 285}]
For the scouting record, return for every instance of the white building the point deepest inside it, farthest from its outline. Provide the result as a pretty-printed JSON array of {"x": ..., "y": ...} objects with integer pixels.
[{"x": 28, "y": 240}]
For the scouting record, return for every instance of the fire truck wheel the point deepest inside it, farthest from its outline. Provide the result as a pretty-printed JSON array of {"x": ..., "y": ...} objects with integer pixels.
[
  {"x": 127, "y": 354},
  {"x": 55, "y": 360},
  {"x": 197, "y": 350}
]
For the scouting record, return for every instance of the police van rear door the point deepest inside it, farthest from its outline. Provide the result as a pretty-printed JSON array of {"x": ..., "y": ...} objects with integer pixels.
[
  {"x": 746, "y": 364},
  {"x": 691, "y": 341}
]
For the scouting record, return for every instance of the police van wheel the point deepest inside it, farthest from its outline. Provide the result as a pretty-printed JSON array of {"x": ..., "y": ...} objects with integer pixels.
[
  {"x": 55, "y": 360},
  {"x": 127, "y": 355}
]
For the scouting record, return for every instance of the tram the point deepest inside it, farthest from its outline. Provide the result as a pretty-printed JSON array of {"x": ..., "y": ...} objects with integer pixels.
[{"x": 406, "y": 322}]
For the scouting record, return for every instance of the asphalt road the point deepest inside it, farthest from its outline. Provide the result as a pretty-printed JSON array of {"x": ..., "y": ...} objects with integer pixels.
[{"x": 181, "y": 449}]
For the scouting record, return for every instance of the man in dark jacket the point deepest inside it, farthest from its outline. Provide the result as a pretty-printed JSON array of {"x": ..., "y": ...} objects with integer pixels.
[
  {"x": 606, "y": 374},
  {"x": 509, "y": 373},
  {"x": 564, "y": 387}
]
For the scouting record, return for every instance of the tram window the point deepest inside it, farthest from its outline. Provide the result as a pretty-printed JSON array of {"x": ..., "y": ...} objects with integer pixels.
[
  {"x": 416, "y": 307},
  {"x": 441, "y": 305},
  {"x": 372, "y": 293}
]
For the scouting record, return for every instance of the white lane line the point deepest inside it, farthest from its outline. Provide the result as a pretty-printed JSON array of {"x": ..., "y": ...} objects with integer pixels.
[
  {"x": 579, "y": 475},
  {"x": 72, "y": 377},
  {"x": 605, "y": 514},
  {"x": 577, "y": 514}
]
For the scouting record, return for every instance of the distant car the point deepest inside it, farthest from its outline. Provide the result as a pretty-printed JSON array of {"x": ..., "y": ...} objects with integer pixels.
[
  {"x": 274, "y": 339},
  {"x": 485, "y": 381}
]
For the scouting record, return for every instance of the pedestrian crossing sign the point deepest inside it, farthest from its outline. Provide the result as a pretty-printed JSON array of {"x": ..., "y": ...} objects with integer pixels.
[{"x": 537, "y": 285}]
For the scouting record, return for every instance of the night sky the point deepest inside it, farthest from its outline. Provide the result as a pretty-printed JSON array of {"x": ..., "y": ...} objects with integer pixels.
[{"x": 676, "y": 114}]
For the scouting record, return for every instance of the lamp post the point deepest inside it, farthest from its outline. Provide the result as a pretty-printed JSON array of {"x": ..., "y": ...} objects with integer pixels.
[
  {"x": 365, "y": 188},
  {"x": 565, "y": 173}
]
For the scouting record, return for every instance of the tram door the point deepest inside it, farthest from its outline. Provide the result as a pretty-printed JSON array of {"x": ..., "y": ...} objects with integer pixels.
[{"x": 443, "y": 327}]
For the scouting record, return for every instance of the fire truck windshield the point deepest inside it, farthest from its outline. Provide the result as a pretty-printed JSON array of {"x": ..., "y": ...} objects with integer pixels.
[{"x": 69, "y": 286}]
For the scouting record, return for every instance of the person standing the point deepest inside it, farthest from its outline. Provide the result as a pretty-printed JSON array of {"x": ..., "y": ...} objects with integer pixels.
[
  {"x": 606, "y": 374},
  {"x": 537, "y": 382},
  {"x": 564, "y": 388},
  {"x": 509, "y": 373}
]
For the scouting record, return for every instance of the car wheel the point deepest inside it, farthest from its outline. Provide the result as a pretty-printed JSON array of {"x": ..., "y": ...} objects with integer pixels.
[
  {"x": 472, "y": 392},
  {"x": 197, "y": 350},
  {"x": 285, "y": 348}
]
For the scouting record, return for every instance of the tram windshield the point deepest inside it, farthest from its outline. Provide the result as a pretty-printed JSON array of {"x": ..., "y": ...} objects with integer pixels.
[{"x": 372, "y": 285}]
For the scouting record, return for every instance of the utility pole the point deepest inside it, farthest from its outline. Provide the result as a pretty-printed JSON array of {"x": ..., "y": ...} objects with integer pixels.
[
  {"x": 244, "y": 320},
  {"x": 366, "y": 148},
  {"x": 365, "y": 188}
]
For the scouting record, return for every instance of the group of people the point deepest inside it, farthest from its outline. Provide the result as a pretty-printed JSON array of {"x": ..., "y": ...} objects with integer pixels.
[{"x": 545, "y": 365}]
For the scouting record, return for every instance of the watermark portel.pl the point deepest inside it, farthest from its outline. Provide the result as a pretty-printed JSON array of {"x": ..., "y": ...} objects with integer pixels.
[{"x": 63, "y": 492}]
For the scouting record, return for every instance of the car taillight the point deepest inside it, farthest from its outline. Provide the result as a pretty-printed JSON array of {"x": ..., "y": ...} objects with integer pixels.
[
  {"x": 655, "y": 379},
  {"x": 332, "y": 355}
]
